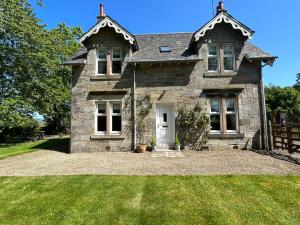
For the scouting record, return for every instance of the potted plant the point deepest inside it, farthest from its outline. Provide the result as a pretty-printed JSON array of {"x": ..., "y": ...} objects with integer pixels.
[
  {"x": 177, "y": 143},
  {"x": 142, "y": 148},
  {"x": 153, "y": 143}
]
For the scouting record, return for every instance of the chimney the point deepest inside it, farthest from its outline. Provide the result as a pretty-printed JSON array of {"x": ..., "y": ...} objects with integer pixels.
[
  {"x": 102, "y": 13},
  {"x": 220, "y": 7}
]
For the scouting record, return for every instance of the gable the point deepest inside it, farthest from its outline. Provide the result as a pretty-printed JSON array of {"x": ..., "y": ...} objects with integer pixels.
[
  {"x": 108, "y": 22},
  {"x": 223, "y": 17}
]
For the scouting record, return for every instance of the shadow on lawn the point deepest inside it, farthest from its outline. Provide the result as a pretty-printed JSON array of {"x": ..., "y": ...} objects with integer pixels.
[
  {"x": 58, "y": 145},
  {"x": 288, "y": 158}
]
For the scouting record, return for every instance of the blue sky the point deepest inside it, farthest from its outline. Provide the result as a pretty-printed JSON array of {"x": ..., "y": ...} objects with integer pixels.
[{"x": 275, "y": 22}]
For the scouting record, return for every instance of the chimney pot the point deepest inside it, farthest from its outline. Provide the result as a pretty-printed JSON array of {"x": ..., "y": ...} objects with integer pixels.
[
  {"x": 102, "y": 13},
  {"x": 220, "y": 7}
]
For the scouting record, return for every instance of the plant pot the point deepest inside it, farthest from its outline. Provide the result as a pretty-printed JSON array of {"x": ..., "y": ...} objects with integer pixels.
[
  {"x": 177, "y": 147},
  {"x": 153, "y": 147},
  {"x": 142, "y": 148}
]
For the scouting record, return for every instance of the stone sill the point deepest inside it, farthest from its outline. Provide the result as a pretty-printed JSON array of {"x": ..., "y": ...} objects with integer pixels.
[
  {"x": 105, "y": 77},
  {"x": 219, "y": 75},
  {"x": 107, "y": 137},
  {"x": 226, "y": 136}
]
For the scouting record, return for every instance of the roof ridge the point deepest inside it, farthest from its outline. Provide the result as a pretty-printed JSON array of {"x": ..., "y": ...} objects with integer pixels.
[{"x": 163, "y": 33}]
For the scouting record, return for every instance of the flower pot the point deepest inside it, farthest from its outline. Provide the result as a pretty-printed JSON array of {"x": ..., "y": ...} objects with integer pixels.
[
  {"x": 142, "y": 148},
  {"x": 177, "y": 147}
]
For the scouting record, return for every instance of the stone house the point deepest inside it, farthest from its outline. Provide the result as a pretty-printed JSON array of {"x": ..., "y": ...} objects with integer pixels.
[{"x": 116, "y": 73}]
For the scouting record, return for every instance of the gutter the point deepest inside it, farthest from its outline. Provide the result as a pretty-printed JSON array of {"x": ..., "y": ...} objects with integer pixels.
[{"x": 264, "y": 128}]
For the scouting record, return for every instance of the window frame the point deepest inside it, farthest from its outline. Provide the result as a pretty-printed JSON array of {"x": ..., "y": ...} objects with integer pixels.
[
  {"x": 111, "y": 114},
  {"x": 116, "y": 60},
  {"x": 213, "y": 56},
  {"x": 216, "y": 113},
  {"x": 223, "y": 113},
  {"x": 97, "y": 114},
  {"x": 226, "y": 56},
  {"x": 101, "y": 60},
  {"x": 108, "y": 114}
]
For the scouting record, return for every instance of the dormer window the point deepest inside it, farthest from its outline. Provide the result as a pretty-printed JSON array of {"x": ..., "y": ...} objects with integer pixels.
[
  {"x": 165, "y": 49},
  {"x": 109, "y": 61},
  {"x": 220, "y": 57}
]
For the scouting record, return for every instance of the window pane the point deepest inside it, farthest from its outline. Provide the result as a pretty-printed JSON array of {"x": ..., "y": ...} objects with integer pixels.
[
  {"x": 116, "y": 123},
  {"x": 101, "y": 108},
  {"x": 101, "y": 123},
  {"x": 165, "y": 117},
  {"x": 231, "y": 122},
  {"x": 102, "y": 54},
  {"x": 212, "y": 50},
  {"x": 102, "y": 67},
  {"x": 228, "y": 49},
  {"x": 230, "y": 107},
  {"x": 116, "y": 53},
  {"x": 116, "y": 67},
  {"x": 215, "y": 122},
  {"x": 215, "y": 106},
  {"x": 116, "y": 108},
  {"x": 213, "y": 64},
  {"x": 228, "y": 63}
]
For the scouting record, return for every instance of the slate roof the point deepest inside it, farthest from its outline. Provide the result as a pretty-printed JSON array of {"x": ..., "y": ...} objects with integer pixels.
[
  {"x": 149, "y": 48},
  {"x": 179, "y": 42}
]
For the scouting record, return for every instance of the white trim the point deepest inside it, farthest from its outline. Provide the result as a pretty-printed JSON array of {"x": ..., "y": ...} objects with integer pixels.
[
  {"x": 223, "y": 17},
  {"x": 104, "y": 23},
  {"x": 229, "y": 56},
  {"x": 115, "y": 114},
  {"x": 96, "y": 118},
  {"x": 217, "y": 56},
  {"x": 102, "y": 60}
]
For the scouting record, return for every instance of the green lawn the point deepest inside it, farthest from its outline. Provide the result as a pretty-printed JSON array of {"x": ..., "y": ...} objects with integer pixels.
[
  {"x": 8, "y": 150},
  {"x": 150, "y": 200}
]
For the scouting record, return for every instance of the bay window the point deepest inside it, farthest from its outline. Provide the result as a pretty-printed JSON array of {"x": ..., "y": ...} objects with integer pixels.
[
  {"x": 223, "y": 115},
  {"x": 108, "y": 117}
]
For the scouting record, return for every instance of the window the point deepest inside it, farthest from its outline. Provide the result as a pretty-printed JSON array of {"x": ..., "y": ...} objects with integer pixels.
[
  {"x": 116, "y": 117},
  {"x": 112, "y": 111},
  {"x": 223, "y": 115},
  {"x": 102, "y": 62},
  {"x": 114, "y": 66},
  {"x": 165, "y": 49},
  {"x": 213, "y": 58},
  {"x": 220, "y": 59},
  {"x": 215, "y": 115},
  {"x": 101, "y": 118},
  {"x": 228, "y": 57}
]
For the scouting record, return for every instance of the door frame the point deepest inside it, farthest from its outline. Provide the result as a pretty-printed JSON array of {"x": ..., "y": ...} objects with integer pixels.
[{"x": 172, "y": 123}]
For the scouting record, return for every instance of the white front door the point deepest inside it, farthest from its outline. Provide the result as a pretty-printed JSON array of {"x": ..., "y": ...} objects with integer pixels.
[{"x": 164, "y": 126}]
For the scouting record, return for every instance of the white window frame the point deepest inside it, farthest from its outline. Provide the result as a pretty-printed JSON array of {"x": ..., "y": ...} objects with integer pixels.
[
  {"x": 116, "y": 59},
  {"x": 229, "y": 56},
  {"x": 223, "y": 112},
  {"x": 97, "y": 114},
  {"x": 101, "y": 60},
  {"x": 115, "y": 114},
  {"x": 216, "y": 113},
  {"x": 231, "y": 113},
  {"x": 217, "y": 56}
]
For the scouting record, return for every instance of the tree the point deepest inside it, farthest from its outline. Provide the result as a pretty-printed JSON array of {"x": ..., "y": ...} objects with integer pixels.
[
  {"x": 283, "y": 98},
  {"x": 31, "y": 76},
  {"x": 297, "y": 85}
]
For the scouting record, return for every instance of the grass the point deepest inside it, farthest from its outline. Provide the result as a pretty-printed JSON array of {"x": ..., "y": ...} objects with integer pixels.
[
  {"x": 8, "y": 150},
  {"x": 150, "y": 200}
]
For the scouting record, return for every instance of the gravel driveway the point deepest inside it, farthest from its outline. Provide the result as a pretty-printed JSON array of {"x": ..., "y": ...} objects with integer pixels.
[{"x": 46, "y": 162}]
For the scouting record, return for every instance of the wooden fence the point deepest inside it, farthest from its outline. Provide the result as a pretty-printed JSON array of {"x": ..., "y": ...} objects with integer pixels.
[{"x": 285, "y": 135}]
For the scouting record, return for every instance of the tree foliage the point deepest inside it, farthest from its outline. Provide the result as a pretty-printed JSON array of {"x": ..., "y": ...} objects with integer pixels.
[
  {"x": 284, "y": 99},
  {"x": 297, "y": 85},
  {"x": 31, "y": 76}
]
